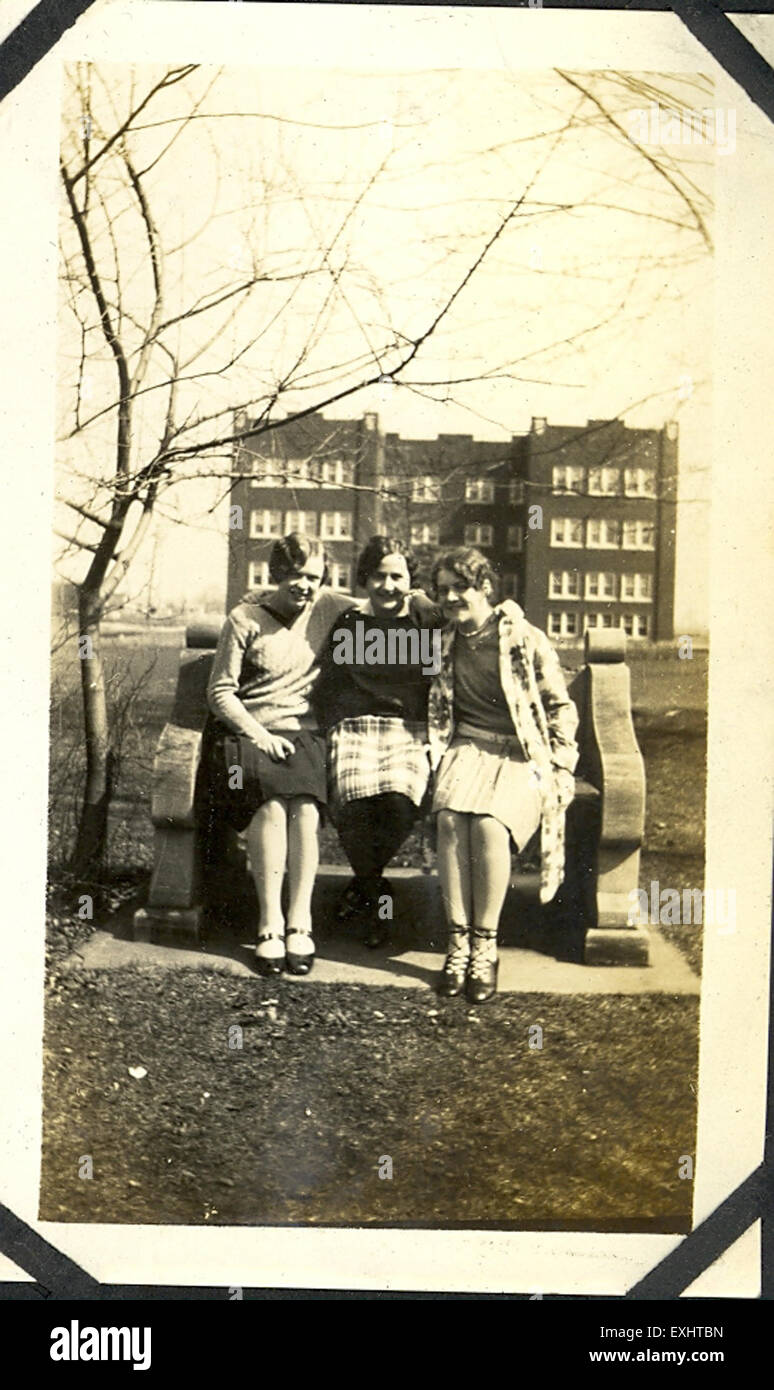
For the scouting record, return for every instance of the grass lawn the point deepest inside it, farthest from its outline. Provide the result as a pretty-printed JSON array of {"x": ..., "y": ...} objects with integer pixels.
[{"x": 586, "y": 1132}]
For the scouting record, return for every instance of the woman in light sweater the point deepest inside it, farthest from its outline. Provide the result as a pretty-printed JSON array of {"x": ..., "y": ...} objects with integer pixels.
[{"x": 268, "y": 770}]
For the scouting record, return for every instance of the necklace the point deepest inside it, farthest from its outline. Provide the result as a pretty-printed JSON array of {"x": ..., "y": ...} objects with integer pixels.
[{"x": 477, "y": 631}]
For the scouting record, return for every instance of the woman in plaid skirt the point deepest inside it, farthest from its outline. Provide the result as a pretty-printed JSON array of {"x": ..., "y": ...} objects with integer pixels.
[
  {"x": 372, "y": 699},
  {"x": 502, "y": 735}
]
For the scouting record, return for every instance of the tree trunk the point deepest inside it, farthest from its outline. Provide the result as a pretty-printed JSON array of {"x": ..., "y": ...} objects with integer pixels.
[{"x": 91, "y": 841}]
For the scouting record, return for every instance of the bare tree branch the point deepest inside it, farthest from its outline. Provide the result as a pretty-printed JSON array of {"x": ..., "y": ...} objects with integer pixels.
[{"x": 651, "y": 159}]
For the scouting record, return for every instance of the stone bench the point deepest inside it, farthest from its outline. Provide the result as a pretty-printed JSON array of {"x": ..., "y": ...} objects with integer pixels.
[{"x": 604, "y": 823}]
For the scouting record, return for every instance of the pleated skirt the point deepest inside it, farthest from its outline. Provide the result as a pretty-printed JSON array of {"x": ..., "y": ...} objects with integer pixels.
[{"x": 484, "y": 774}]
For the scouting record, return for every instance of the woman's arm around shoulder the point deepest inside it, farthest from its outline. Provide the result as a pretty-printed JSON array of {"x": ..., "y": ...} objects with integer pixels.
[
  {"x": 330, "y": 604},
  {"x": 424, "y": 611}
]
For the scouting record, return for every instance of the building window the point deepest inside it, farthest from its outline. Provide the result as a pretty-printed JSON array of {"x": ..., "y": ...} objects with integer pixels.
[
  {"x": 478, "y": 534},
  {"x": 604, "y": 481},
  {"x": 336, "y": 526},
  {"x": 258, "y": 575},
  {"x": 637, "y": 586},
  {"x": 639, "y": 482},
  {"x": 510, "y": 586},
  {"x": 599, "y": 585},
  {"x": 594, "y": 621},
  {"x": 300, "y": 471},
  {"x": 566, "y": 531},
  {"x": 425, "y": 533},
  {"x": 305, "y": 522},
  {"x": 337, "y": 473},
  {"x": 603, "y": 535},
  {"x": 266, "y": 473},
  {"x": 635, "y": 624},
  {"x": 566, "y": 477},
  {"x": 515, "y": 538},
  {"x": 295, "y": 472},
  {"x": 516, "y": 492},
  {"x": 393, "y": 485},
  {"x": 564, "y": 584},
  {"x": 563, "y": 624},
  {"x": 638, "y": 535},
  {"x": 340, "y": 577},
  {"x": 265, "y": 525},
  {"x": 426, "y": 489},
  {"x": 479, "y": 490}
]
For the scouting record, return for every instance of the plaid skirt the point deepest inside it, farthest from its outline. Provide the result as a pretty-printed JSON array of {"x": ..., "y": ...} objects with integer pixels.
[{"x": 373, "y": 754}]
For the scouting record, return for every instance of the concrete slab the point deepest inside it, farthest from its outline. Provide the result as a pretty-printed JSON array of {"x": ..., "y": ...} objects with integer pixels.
[{"x": 411, "y": 960}]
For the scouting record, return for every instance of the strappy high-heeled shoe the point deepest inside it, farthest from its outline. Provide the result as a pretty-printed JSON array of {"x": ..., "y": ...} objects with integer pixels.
[
  {"x": 452, "y": 978},
  {"x": 481, "y": 983}
]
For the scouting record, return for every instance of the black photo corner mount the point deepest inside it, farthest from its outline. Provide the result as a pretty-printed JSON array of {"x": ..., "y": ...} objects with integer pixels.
[{"x": 57, "y": 1277}]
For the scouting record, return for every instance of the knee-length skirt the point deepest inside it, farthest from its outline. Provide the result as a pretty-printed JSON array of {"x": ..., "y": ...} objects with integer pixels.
[
  {"x": 485, "y": 774},
  {"x": 242, "y": 778}
]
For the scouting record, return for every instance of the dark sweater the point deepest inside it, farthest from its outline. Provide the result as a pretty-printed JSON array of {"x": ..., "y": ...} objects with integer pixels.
[{"x": 351, "y": 688}]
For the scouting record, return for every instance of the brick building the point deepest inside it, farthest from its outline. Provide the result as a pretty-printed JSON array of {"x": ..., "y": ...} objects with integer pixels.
[{"x": 579, "y": 521}]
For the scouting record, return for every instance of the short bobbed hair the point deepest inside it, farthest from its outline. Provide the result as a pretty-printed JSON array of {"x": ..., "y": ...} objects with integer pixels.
[
  {"x": 291, "y": 554},
  {"x": 467, "y": 565},
  {"x": 373, "y": 553}
]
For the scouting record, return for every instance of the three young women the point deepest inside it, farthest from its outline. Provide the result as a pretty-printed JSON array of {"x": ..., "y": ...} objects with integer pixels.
[{"x": 492, "y": 711}]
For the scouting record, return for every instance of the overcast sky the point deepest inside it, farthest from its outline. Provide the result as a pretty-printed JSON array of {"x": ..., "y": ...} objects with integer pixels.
[{"x": 594, "y": 302}]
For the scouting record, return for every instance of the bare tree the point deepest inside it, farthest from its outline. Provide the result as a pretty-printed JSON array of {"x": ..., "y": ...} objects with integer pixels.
[{"x": 183, "y": 308}]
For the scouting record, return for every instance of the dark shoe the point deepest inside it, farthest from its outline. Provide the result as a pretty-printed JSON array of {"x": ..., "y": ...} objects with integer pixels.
[
  {"x": 482, "y": 985},
  {"x": 353, "y": 901},
  {"x": 269, "y": 965},
  {"x": 377, "y": 932},
  {"x": 377, "y": 929},
  {"x": 296, "y": 964},
  {"x": 481, "y": 982},
  {"x": 451, "y": 981}
]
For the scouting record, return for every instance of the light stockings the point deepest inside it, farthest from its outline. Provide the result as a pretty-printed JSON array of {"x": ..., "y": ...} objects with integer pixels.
[
  {"x": 284, "y": 833},
  {"x": 303, "y": 859},
  {"x": 454, "y": 869},
  {"x": 474, "y": 867}
]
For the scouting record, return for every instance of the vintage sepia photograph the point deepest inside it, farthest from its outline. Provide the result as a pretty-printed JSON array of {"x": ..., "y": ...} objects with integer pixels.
[
  {"x": 379, "y": 655},
  {"x": 401, "y": 731}
]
